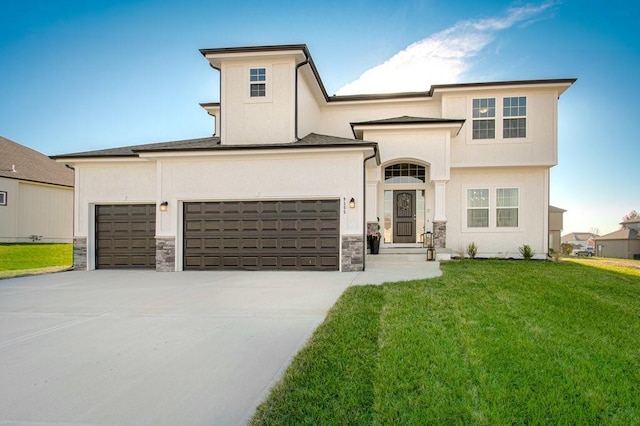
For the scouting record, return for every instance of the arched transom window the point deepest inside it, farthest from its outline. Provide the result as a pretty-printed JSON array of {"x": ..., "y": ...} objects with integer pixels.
[{"x": 404, "y": 173}]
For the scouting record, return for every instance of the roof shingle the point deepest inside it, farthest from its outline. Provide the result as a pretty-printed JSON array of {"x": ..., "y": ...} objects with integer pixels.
[{"x": 31, "y": 165}]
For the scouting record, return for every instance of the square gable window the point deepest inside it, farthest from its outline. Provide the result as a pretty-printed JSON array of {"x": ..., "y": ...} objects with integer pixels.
[{"x": 3, "y": 198}]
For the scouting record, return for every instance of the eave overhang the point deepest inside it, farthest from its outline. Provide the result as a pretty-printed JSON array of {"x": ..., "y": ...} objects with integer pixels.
[{"x": 408, "y": 123}]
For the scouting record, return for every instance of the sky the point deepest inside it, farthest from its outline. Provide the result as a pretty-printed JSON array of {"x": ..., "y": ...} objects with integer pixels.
[{"x": 79, "y": 75}]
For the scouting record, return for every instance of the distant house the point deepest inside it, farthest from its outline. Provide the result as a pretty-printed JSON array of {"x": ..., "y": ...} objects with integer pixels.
[
  {"x": 580, "y": 239},
  {"x": 623, "y": 243},
  {"x": 555, "y": 228},
  {"x": 36, "y": 196},
  {"x": 294, "y": 178}
]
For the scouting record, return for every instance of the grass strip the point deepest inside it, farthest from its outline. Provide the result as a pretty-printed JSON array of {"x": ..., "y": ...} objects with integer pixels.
[
  {"x": 14, "y": 257},
  {"x": 330, "y": 381}
]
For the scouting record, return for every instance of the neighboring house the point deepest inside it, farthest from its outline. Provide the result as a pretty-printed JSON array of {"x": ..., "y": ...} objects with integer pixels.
[
  {"x": 556, "y": 216},
  {"x": 36, "y": 196},
  {"x": 623, "y": 243},
  {"x": 293, "y": 177},
  {"x": 580, "y": 239}
]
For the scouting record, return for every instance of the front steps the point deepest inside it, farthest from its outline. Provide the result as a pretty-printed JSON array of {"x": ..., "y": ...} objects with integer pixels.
[{"x": 407, "y": 254}]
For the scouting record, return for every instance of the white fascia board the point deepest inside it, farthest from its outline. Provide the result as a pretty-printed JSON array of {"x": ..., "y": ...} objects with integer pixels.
[
  {"x": 216, "y": 59},
  {"x": 453, "y": 128}
]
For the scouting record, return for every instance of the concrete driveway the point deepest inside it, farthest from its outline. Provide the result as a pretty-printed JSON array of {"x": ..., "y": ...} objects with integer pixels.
[{"x": 147, "y": 348}]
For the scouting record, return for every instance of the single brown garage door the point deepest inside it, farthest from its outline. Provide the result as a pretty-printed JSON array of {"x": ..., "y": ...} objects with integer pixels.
[
  {"x": 284, "y": 235},
  {"x": 125, "y": 236}
]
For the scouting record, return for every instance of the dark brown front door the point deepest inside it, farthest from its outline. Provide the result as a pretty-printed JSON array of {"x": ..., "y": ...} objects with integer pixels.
[{"x": 404, "y": 216}]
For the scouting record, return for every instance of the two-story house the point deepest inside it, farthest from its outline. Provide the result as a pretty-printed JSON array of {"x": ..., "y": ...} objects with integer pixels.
[{"x": 293, "y": 178}]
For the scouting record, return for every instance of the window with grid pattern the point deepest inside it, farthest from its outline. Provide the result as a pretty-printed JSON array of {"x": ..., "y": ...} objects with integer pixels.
[
  {"x": 515, "y": 108},
  {"x": 507, "y": 204},
  {"x": 257, "y": 75},
  {"x": 484, "y": 123},
  {"x": 404, "y": 173},
  {"x": 478, "y": 208}
]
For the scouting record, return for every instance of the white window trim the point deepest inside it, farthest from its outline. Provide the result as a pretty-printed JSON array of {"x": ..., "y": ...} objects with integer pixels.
[
  {"x": 510, "y": 117},
  {"x": 493, "y": 226},
  {"x": 267, "y": 84},
  {"x": 499, "y": 121},
  {"x": 3, "y": 198}
]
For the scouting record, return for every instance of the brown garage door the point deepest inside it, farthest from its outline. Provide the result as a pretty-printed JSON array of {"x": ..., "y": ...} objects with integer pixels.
[
  {"x": 125, "y": 236},
  {"x": 291, "y": 235}
]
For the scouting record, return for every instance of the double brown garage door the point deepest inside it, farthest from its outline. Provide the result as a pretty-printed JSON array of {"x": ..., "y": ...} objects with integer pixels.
[
  {"x": 284, "y": 235},
  {"x": 125, "y": 236}
]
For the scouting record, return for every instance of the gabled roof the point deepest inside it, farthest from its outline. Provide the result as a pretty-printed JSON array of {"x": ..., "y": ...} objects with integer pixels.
[
  {"x": 312, "y": 140},
  {"x": 621, "y": 234},
  {"x": 578, "y": 236},
  {"x": 405, "y": 120},
  {"x": 31, "y": 165}
]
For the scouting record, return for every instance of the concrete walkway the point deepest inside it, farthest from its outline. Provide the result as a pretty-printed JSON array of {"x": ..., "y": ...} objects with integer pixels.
[{"x": 147, "y": 348}]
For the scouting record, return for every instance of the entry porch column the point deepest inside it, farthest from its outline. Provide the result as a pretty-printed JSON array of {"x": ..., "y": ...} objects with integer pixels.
[{"x": 440, "y": 217}]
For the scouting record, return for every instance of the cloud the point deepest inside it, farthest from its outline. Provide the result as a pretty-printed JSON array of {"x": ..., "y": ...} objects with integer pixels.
[{"x": 440, "y": 58}]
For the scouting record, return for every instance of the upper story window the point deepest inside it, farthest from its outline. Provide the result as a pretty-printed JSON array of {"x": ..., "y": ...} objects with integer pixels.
[
  {"x": 257, "y": 81},
  {"x": 514, "y": 112},
  {"x": 3, "y": 198},
  {"x": 484, "y": 121},
  {"x": 404, "y": 173}
]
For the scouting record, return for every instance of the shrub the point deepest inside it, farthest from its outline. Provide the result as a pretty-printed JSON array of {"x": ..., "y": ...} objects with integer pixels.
[
  {"x": 566, "y": 249},
  {"x": 527, "y": 252},
  {"x": 472, "y": 250}
]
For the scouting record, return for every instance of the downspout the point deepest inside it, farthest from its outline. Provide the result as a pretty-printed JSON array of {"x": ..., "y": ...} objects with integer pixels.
[
  {"x": 364, "y": 206},
  {"x": 296, "y": 99}
]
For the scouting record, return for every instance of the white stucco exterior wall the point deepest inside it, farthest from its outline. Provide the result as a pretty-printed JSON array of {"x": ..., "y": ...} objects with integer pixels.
[
  {"x": 123, "y": 182},
  {"x": 532, "y": 183},
  {"x": 261, "y": 176},
  {"x": 538, "y": 148},
  {"x": 271, "y": 117}
]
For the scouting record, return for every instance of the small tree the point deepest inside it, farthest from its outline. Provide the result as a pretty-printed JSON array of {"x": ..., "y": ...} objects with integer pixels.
[
  {"x": 472, "y": 250},
  {"x": 630, "y": 216},
  {"x": 527, "y": 252}
]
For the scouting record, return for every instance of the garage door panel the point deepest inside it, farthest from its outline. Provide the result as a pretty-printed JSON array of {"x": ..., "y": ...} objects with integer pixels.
[
  {"x": 125, "y": 236},
  {"x": 262, "y": 235}
]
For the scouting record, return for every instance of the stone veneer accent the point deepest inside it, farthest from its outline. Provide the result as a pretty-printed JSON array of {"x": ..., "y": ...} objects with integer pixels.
[
  {"x": 352, "y": 253},
  {"x": 165, "y": 254},
  {"x": 440, "y": 234},
  {"x": 80, "y": 253}
]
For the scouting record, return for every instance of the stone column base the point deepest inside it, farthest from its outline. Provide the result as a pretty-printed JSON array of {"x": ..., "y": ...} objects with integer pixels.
[
  {"x": 352, "y": 253},
  {"x": 165, "y": 254},
  {"x": 80, "y": 253},
  {"x": 440, "y": 234}
]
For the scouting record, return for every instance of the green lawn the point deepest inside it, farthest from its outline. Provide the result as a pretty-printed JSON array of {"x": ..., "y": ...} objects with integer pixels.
[
  {"x": 22, "y": 259},
  {"x": 488, "y": 343}
]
